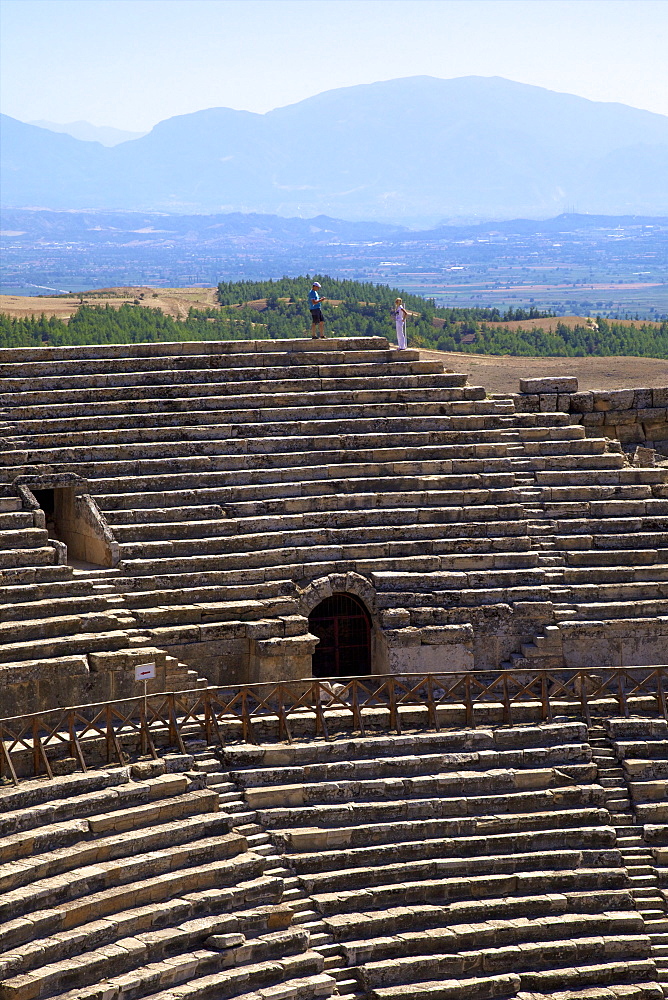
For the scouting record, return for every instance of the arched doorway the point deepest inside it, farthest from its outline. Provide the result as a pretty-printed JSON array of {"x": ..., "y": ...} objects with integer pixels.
[{"x": 342, "y": 624}]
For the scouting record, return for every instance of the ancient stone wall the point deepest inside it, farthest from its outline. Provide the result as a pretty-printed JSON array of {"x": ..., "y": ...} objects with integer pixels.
[{"x": 630, "y": 416}]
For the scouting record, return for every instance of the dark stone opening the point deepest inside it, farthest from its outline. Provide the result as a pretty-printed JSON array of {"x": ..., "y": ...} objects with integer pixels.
[
  {"x": 342, "y": 624},
  {"x": 46, "y": 498}
]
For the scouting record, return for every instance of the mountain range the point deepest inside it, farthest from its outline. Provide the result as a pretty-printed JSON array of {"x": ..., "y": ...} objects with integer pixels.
[
  {"x": 42, "y": 226},
  {"x": 412, "y": 151}
]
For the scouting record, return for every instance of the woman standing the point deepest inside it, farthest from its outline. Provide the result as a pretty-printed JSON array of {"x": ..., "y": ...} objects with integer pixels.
[{"x": 400, "y": 316}]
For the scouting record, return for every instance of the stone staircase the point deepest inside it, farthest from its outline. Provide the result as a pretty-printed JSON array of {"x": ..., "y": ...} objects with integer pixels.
[
  {"x": 245, "y": 821},
  {"x": 640, "y": 747},
  {"x": 645, "y": 886}
]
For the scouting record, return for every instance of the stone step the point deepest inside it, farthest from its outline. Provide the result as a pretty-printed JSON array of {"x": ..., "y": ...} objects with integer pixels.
[
  {"x": 191, "y": 830},
  {"x": 618, "y": 575},
  {"x": 37, "y": 555},
  {"x": 282, "y": 464},
  {"x": 537, "y": 964},
  {"x": 508, "y": 831},
  {"x": 573, "y": 513},
  {"x": 553, "y": 740},
  {"x": 58, "y": 646},
  {"x": 15, "y": 632},
  {"x": 109, "y": 965},
  {"x": 598, "y": 493},
  {"x": 281, "y": 430},
  {"x": 498, "y": 792},
  {"x": 333, "y": 560},
  {"x": 14, "y": 521},
  {"x": 622, "y": 476},
  {"x": 338, "y": 352},
  {"x": 435, "y": 942},
  {"x": 34, "y": 584},
  {"x": 212, "y": 606},
  {"x": 476, "y": 522},
  {"x": 218, "y": 349},
  {"x": 381, "y": 387},
  {"x": 395, "y": 871},
  {"x": 429, "y": 762},
  {"x": 406, "y": 918},
  {"x": 635, "y": 558},
  {"x": 327, "y": 544},
  {"x": 57, "y": 607},
  {"x": 10, "y": 505},
  {"x": 618, "y": 609},
  {"x": 179, "y": 916},
  {"x": 214, "y": 472},
  {"x": 240, "y": 443},
  {"x": 206, "y": 426},
  {"x": 468, "y": 539},
  {"x": 33, "y": 389},
  {"x": 150, "y": 516},
  {"x": 200, "y": 474},
  {"x": 113, "y": 804},
  {"x": 533, "y": 444},
  {"x": 171, "y": 409}
]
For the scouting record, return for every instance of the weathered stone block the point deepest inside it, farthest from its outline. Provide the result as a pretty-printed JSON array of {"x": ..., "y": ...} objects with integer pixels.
[
  {"x": 642, "y": 398},
  {"x": 548, "y": 402},
  {"x": 581, "y": 402},
  {"x": 656, "y": 431},
  {"x": 629, "y": 433},
  {"x": 618, "y": 417},
  {"x": 621, "y": 399},
  {"x": 549, "y": 385}
]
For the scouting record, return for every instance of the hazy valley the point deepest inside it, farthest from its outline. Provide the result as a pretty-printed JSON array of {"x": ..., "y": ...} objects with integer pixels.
[{"x": 570, "y": 264}]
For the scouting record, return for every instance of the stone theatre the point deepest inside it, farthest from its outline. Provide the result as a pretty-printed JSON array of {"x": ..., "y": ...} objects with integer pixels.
[{"x": 242, "y": 511}]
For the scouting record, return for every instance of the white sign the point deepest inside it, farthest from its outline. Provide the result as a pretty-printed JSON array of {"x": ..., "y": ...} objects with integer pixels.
[{"x": 145, "y": 672}]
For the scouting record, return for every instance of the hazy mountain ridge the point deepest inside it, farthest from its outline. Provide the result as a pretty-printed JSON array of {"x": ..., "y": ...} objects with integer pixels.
[
  {"x": 103, "y": 226},
  {"x": 86, "y": 132},
  {"x": 402, "y": 150}
]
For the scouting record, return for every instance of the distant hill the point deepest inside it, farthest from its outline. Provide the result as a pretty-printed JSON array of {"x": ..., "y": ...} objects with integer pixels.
[
  {"x": 410, "y": 150},
  {"x": 90, "y": 133},
  {"x": 119, "y": 227},
  {"x": 107, "y": 227}
]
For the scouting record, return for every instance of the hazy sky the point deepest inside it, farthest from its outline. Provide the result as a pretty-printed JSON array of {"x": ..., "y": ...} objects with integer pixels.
[{"x": 131, "y": 63}]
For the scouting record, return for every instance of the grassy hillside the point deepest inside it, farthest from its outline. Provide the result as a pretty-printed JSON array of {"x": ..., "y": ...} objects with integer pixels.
[{"x": 278, "y": 309}]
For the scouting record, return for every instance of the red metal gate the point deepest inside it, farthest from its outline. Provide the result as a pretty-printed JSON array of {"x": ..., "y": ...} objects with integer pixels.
[{"x": 341, "y": 622}]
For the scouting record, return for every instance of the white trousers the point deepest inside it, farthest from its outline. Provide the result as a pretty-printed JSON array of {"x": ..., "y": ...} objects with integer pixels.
[{"x": 401, "y": 334}]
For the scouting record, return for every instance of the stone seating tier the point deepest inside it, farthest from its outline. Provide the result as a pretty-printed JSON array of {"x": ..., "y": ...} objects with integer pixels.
[
  {"x": 250, "y": 469},
  {"x": 130, "y": 883},
  {"x": 463, "y": 863},
  {"x": 457, "y": 864}
]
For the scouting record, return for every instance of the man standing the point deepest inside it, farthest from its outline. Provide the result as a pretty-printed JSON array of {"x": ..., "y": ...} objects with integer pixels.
[{"x": 317, "y": 319}]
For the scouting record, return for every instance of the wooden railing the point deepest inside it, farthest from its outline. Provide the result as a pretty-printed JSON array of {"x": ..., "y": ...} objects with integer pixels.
[{"x": 220, "y": 715}]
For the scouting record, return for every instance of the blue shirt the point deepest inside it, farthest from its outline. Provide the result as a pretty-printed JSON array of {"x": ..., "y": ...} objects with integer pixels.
[{"x": 314, "y": 299}]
